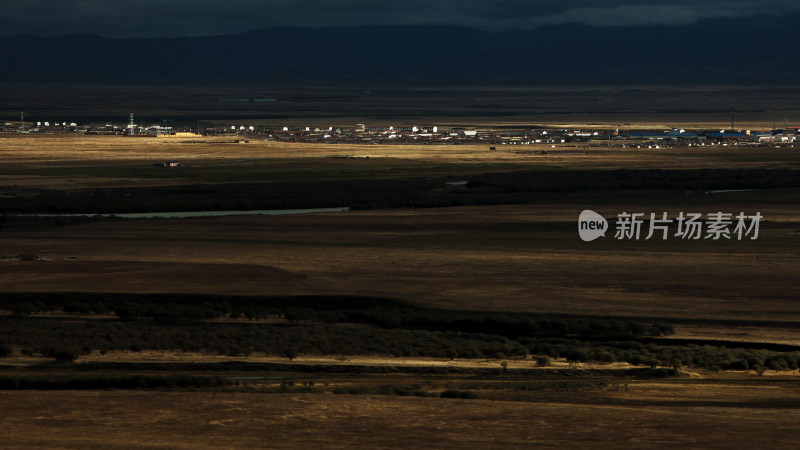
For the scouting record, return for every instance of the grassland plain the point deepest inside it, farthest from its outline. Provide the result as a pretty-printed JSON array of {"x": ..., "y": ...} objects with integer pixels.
[
  {"x": 504, "y": 257},
  {"x": 521, "y": 257},
  {"x": 697, "y": 415},
  {"x": 757, "y": 107},
  {"x": 516, "y": 258}
]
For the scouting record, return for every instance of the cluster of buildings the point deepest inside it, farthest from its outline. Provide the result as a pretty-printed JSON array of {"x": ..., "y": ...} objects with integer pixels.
[
  {"x": 430, "y": 134},
  {"x": 22, "y": 126},
  {"x": 716, "y": 137},
  {"x": 38, "y": 127},
  {"x": 361, "y": 134}
]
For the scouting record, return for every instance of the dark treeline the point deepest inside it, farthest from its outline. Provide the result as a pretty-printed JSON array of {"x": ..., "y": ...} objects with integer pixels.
[
  {"x": 46, "y": 337},
  {"x": 655, "y": 355},
  {"x": 500, "y": 324},
  {"x": 384, "y": 313},
  {"x": 492, "y": 188},
  {"x": 345, "y": 325},
  {"x": 66, "y": 340}
]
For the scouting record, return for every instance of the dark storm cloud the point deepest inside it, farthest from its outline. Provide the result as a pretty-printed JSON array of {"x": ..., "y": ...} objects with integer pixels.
[{"x": 140, "y": 18}]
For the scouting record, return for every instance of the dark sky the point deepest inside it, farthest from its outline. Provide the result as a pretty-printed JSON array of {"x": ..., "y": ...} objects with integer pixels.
[{"x": 171, "y": 18}]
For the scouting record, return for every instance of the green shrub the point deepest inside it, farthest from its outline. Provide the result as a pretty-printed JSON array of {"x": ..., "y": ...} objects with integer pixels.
[
  {"x": 739, "y": 364},
  {"x": 543, "y": 361},
  {"x": 578, "y": 355},
  {"x": 452, "y": 393},
  {"x": 65, "y": 355},
  {"x": 357, "y": 390}
]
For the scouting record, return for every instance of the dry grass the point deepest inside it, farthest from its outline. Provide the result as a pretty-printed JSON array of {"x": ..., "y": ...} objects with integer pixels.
[
  {"x": 39, "y": 151},
  {"x": 516, "y": 258},
  {"x": 72, "y": 161},
  {"x": 711, "y": 416},
  {"x": 454, "y": 258}
]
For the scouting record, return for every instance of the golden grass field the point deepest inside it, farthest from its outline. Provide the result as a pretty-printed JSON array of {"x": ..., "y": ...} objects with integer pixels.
[
  {"x": 475, "y": 257},
  {"x": 506, "y": 258},
  {"x": 446, "y": 258},
  {"x": 59, "y": 150},
  {"x": 650, "y": 415}
]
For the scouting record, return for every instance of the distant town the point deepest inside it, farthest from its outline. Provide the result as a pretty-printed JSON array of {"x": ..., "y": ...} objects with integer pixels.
[{"x": 428, "y": 134}]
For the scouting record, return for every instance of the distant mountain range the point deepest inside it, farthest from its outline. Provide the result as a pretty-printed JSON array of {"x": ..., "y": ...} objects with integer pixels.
[{"x": 746, "y": 50}]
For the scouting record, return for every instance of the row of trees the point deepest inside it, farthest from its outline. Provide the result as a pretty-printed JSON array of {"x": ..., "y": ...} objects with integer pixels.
[
  {"x": 67, "y": 340},
  {"x": 706, "y": 356},
  {"x": 383, "y": 313}
]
